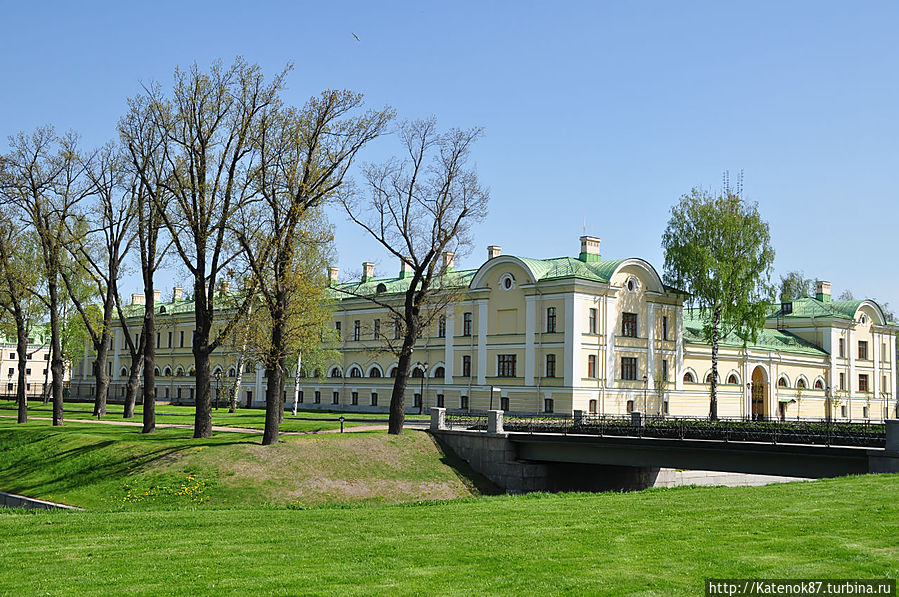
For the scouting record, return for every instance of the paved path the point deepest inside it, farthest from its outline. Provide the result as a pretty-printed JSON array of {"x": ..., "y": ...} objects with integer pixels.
[{"x": 348, "y": 429}]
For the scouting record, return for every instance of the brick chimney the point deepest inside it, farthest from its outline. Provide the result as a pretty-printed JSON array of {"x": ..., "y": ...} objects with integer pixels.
[
  {"x": 177, "y": 293},
  {"x": 822, "y": 291},
  {"x": 494, "y": 251},
  {"x": 157, "y": 296},
  {"x": 137, "y": 299},
  {"x": 226, "y": 286},
  {"x": 449, "y": 260},
  {"x": 332, "y": 274},
  {"x": 589, "y": 249},
  {"x": 368, "y": 271},
  {"x": 405, "y": 268}
]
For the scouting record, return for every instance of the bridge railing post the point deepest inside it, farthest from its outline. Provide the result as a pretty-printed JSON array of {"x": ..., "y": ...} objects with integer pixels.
[
  {"x": 892, "y": 427},
  {"x": 495, "y": 422},
  {"x": 438, "y": 419},
  {"x": 578, "y": 418},
  {"x": 637, "y": 418}
]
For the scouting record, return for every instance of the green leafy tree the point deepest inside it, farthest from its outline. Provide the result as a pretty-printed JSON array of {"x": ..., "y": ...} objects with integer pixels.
[
  {"x": 795, "y": 285},
  {"x": 718, "y": 250}
]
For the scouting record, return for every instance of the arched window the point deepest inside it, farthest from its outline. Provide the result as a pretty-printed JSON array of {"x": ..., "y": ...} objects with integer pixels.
[
  {"x": 439, "y": 372},
  {"x": 393, "y": 372},
  {"x": 179, "y": 372},
  {"x": 192, "y": 372},
  {"x": 335, "y": 372},
  {"x": 355, "y": 372},
  {"x": 732, "y": 379},
  {"x": 782, "y": 382},
  {"x": 167, "y": 372},
  {"x": 124, "y": 372},
  {"x": 156, "y": 371},
  {"x": 800, "y": 384},
  {"x": 708, "y": 377},
  {"x": 418, "y": 372},
  {"x": 374, "y": 372},
  {"x": 232, "y": 372},
  {"x": 688, "y": 378},
  {"x": 819, "y": 385}
]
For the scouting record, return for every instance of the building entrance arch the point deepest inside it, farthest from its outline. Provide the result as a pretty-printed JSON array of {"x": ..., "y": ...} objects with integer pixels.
[{"x": 759, "y": 393}]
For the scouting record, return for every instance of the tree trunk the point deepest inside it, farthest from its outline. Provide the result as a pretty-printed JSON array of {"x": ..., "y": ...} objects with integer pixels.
[
  {"x": 133, "y": 386},
  {"x": 397, "y": 397},
  {"x": 149, "y": 345},
  {"x": 713, "y": 402},
  {"x": 296, "y": 385},
  {"x": 272, "y": 406},
  {"x": 57, "y": 367},
  {"x": 22, "y": 346},
  {"x": 203, "y": 399},
  {"x": 102, "y": 377}
]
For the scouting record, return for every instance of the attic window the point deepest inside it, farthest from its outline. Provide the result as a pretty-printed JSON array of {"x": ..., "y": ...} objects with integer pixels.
[
  {"x": 507, "y": 281},
  {"x": 381, "y": 287},
  {"x": 632, "y": 284},
  {"x": 863, "y": 319},
  {"x": 786, "y": 308},
  {"x": 162, "y": 310}
]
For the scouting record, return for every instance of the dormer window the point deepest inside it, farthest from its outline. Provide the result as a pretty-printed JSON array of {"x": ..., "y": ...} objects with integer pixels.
[{"x": 507, "y": 281}]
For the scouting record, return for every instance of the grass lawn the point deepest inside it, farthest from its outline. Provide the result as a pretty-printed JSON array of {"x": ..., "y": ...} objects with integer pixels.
[
  {"x": 250, "y": 418},
  {"x": 656, "y": 542},
  {"x": 107, "y": 467}
]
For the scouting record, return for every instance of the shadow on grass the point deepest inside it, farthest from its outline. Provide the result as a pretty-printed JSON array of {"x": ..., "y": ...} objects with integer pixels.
[{"x": 475, "y": 481}]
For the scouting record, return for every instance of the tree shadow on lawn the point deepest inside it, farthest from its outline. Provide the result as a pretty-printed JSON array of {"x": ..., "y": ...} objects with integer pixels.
[{"x": 475, "y": 481}]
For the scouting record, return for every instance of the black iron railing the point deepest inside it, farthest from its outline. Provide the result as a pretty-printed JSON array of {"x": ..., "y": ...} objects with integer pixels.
[
  {"x": 466, "y": 420},
  {"x": 812, "y": 432}
]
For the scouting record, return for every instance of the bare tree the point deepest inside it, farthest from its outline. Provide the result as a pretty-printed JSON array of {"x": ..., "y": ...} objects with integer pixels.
[
  {"x": 45, "y": 183},
  {"x": 304, "y": 156},
  {"x": 418, "y": 208},
  {"x": 144, "y": 131},
  {"x": 101, "y": 250}
]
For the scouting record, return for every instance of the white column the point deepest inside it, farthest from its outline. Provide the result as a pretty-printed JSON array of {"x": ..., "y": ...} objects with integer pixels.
[
  {"x": 449, "y": 355},
  {"x": 482, "y": 341},
  {"x": 877, "y": 340},
  {"x": 611, "y": 326},
  {"x": 572, "y": 351},
  {"x": 891, "y": 346},
  {"x": 851, "y": 350},
  {"x": 257, "y": 391},
  {"x": 530, "y": 348},
  {"x": 650, "y": 344},
  {"x": 84, "y": 365},
  {"x": 116, "y": 341},
  {"x": 679, "y": 349}
]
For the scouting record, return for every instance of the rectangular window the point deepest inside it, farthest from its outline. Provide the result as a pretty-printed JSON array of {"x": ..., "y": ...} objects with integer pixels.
[
  {"x": 550, "y": 319},
  {"x": 664, "y": 327},
  {"x": 157, "y": 339},
  {"x": 466, "y": 366},
  {"x": 843, "y": 410},
  {"x": 357, "y": 330},
  {"x": 842, "y": 348},
  {"x": 11, "y": 371},
  {"x": 397, "y": 329},
  {"x": 439, "y": 400},
  {"x": 842, "y": 381},
  {"x": 28, "y": 356},
  {"x": 337, "y": 329},
  {"x": 629, "y": 325},
  {"x": 591, "y": 408},
  {"x": 178, "y": 394},
  {"x": 505, "y": 365},
  {"x": 550, "y": 365},
  {"x": 374, "y": 398},
  {"x": 441, "y": 327},
  {"x": 591, "y": 322},
  {"x": 466, "y": 323},
  {"x": 191, "y": 390},
  {"x": 170, "y": 340},
  {"x": 862, "y": 350},
  {"x": 864, "y": 412},
  {"x": 47, "y": 357},
  {"x": 463, "y": 402},
  {"x": 884, "y": 384},
  {"x": 630, "y": 406},
  {"x": 665, "y": 407},
  {"x": 335, "y": 398},
  {"x": 300, "y": 397},
  {"x": 863, "y": 383},
  {"x": 416, "y": 400},
  {"x": 547, "y": 405},
  {"x": 318, "y": 397},
  {"x": 504, "y": 403},
  {"x": 591, "y": 366},
  {"x": 354, "y": 398},
  {"x": 27, "y": 371},
  {"x": 629, "y": 368},
  {"x": 376, "y": 327},
  {"x": 664, "y": 369},
  {"x": 181, "y": 339},
  {"x": 883, "y": 352},
  {"x": 12, "y": 356}
]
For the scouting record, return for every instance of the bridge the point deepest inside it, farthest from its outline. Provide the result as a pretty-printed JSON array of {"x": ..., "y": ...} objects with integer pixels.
[{"x": 619, "y": 453}]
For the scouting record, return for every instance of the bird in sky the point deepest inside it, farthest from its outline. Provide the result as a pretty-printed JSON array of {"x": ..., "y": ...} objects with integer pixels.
[{"x": 357, "y": 37}]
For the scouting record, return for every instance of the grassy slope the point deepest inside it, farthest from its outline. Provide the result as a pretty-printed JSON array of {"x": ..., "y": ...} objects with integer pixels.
[
  {"x": 658, "y": 542},
  {"x": 114, "y": 468}
]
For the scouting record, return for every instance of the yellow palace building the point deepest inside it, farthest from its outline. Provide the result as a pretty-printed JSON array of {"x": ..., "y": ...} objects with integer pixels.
[{"x": 565, "y": 334}]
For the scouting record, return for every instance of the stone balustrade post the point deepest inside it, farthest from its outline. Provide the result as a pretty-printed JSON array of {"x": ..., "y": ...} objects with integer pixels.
[
  {"x": 892, "y": 426},
  {"x": 494, "y": 422},
  {"x": 438, "y": 419},
  {"x": 637, "y": 418}
]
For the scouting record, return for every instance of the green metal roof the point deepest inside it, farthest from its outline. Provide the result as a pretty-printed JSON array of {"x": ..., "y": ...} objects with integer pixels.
[
  {"x": 572, "y": 267},
  {"x": 768, "y": 339},
  {"x": 452, "y": 279},
  {"x": 808, "y": 307}
]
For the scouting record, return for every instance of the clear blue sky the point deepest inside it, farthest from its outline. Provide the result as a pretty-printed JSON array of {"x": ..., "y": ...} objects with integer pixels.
[{"x": 600, "y": 111}]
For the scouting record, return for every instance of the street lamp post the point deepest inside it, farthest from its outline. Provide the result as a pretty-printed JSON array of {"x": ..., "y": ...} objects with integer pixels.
[
  {"x": 218, "y": 387},
  {"x": 421, "y": 387},
  {"x": 645, "y": 387}
]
